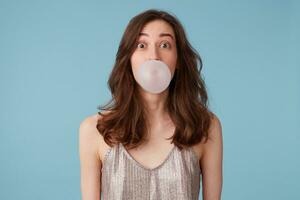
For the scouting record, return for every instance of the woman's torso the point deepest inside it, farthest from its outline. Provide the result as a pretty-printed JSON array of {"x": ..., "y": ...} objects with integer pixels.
[
  {"x": 155, "y": 170},
  {"x": 130, "y": 174}
]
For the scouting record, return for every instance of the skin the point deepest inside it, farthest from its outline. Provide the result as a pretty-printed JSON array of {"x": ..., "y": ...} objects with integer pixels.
[{"x": 92, "y": 146}]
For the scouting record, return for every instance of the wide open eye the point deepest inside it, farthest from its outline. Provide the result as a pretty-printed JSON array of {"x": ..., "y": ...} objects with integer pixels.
[
  {"x": 140, "y": 45},
  {"x": 165, "y": 45}
]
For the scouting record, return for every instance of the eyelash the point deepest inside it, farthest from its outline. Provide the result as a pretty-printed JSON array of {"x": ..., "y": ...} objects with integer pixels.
[{"x": 161, "y": 43}]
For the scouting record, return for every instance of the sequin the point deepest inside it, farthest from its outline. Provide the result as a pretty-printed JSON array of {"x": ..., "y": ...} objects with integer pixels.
[{"x": 176, "y": 178}]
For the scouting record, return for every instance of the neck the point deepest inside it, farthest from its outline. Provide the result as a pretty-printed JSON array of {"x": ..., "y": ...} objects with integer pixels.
[{"x": 156, "y": 107}]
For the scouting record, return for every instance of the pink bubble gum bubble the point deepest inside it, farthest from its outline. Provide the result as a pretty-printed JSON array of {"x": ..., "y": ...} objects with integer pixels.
[{"x": 154, "y": 76}]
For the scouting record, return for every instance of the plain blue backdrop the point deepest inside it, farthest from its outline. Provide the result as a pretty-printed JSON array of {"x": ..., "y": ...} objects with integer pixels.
[{"x": 56, "y": 57}]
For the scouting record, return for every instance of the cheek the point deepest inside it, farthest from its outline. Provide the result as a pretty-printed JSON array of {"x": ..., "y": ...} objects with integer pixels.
[
  {"x": 172, "y": 71},
  {"x": 135, "y": 61},
  {"x": 172, "y": 61}
]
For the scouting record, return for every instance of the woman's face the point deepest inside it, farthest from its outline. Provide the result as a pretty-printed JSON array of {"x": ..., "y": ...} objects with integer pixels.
[{"x": 156, "y": 42}]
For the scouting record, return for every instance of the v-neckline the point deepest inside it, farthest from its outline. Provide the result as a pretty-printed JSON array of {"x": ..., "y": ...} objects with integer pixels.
[{"x": 142, "y": 166}]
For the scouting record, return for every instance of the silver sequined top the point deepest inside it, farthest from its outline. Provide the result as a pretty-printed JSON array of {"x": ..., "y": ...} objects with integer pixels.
[{"x": 176, "y": 178}]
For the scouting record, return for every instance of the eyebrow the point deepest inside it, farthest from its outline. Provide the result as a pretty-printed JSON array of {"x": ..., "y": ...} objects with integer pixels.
[{"x": 160, "y": 35}]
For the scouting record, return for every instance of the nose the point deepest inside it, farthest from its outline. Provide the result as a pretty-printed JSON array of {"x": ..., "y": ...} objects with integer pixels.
[{"x": 153, "y": 54}]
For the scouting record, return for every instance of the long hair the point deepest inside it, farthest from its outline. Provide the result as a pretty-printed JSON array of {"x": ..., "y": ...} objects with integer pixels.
[{"x": 187, "y": 102}]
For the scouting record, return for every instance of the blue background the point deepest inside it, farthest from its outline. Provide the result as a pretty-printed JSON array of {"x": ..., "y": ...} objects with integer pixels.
[{"x": 56, "y": 57}]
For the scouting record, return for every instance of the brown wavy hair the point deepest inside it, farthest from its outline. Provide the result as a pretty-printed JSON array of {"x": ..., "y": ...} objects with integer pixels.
[{"x": 186, "y": 104}]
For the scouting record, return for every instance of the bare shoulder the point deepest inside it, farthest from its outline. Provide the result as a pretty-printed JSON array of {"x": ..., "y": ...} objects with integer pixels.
[
  {"x": 90, "y": 121},
  {"x": 89, "y": 134},
  {"x": 215, "y": 138},
  {"x": 215, "y": 130},
  {"x": 88, "y": 126},
  {"x": 214, "y": 134}
]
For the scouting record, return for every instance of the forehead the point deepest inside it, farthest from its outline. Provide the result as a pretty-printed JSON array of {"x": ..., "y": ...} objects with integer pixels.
[{"x": 157, "y": 28}]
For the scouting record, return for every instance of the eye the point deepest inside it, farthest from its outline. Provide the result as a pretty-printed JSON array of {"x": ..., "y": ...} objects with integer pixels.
[
  {"x": 140, "y": 45},
  {"x": 165, "y": 45}
]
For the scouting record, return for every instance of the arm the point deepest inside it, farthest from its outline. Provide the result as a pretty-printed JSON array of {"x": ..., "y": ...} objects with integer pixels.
[
  {"x": 211, "y": 162},
  {"x": 90, "y": 163}
]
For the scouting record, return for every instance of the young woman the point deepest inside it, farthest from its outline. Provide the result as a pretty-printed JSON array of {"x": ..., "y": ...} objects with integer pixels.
[{"x": 153, "y": 144}]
